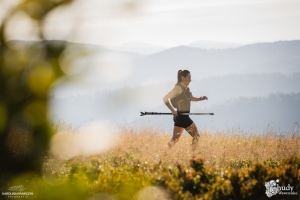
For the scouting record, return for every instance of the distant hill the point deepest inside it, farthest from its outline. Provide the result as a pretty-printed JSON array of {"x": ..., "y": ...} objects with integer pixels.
[
  {"x": 147, "y": 49},
  {"x": 75, "y": 46},
  {"x": 282, "y": 57},
  {"x": 203, "y": 44},
  {"x": 233, "y": 98},
  {"x": 139, "y": 48},
  {"x": 224, "y": 88},
  {"x": 277, "y": 112},
  {"x": 278, "y": 57}
]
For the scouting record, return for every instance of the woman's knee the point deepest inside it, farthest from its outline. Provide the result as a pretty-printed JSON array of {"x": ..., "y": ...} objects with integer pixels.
[
  {"x": 192, "y": 130},
  {"x": 177, "y": 132}
]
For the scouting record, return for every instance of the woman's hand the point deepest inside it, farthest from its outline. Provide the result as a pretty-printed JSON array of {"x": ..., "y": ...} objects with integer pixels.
[
  {"x": 174, "y": 113},
  {"x": 199, "y": 98},
  {"x": 203, "y": 98}
]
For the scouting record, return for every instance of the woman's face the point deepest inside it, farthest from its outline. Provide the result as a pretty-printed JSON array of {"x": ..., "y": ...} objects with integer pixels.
[{"x": 186, "y": 80}]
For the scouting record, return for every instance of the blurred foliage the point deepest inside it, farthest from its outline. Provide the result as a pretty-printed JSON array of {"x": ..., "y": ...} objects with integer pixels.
[
  {"x": 27, "y": 72},
  {"x": 248, "y": 182},
  {"x": 123, "y": 178}
]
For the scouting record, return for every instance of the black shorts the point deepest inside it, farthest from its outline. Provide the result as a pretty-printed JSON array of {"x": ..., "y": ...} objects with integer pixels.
[{"x": 183, "y": 121}]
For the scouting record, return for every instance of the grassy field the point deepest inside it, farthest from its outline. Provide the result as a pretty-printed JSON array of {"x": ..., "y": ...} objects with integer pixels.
[
  {"x": 232, "y": 163},
  {"x": 139, "y": 165},
  {"x": 218, "y": 150}
]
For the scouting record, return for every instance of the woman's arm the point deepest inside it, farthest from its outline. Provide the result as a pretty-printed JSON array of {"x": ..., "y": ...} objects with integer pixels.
[
  {"x": 173, "y": 93},
  {"x": 199, "y": 98}
]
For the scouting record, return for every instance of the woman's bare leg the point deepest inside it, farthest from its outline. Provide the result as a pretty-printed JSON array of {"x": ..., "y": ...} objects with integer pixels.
[
  {"x": 193, "y": 131},
  {"x": 177, "y": 131}
]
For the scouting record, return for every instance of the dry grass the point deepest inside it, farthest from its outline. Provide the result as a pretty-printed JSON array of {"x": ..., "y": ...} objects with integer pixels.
[{"x": 219, "y": 149}]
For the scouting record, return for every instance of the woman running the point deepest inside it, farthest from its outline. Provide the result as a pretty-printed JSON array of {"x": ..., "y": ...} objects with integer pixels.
[{"x": 181, "y": 97}]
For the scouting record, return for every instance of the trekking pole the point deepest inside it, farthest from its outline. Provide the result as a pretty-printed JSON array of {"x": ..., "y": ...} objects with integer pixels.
[{"x": 159, "y": 113}]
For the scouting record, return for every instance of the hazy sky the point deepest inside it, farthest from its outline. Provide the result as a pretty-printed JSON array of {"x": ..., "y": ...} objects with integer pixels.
[{"x": 170, "y": 22}]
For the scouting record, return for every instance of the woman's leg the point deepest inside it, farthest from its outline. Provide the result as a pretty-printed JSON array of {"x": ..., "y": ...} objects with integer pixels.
[
  {"x": 177, "y": 131},
  {"x": 193, "y": 131}
]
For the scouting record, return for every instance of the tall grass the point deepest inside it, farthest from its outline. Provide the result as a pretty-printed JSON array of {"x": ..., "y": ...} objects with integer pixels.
[{"x": 218, "y": 149}]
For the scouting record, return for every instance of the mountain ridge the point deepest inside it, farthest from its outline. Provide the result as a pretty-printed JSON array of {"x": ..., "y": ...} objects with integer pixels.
[{"x": 282, "y": 57}]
